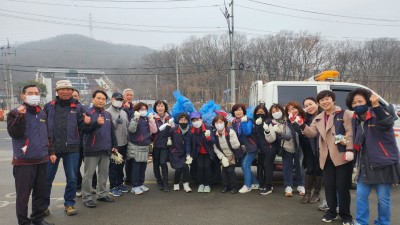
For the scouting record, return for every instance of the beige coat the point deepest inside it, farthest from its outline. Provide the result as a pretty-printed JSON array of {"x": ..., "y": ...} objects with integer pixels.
[{"x": 327, "y": 136}]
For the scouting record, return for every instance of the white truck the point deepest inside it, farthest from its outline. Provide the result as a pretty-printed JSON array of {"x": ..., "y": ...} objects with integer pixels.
[{"x": 284, "y": 91}]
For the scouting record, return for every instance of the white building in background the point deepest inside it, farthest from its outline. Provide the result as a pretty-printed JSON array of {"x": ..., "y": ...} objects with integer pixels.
[{"x": 86, "y": 81}]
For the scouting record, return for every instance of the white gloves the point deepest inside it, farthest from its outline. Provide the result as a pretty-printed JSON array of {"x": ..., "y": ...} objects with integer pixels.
[
  {"x": 225, "y": 162},
  {"x": 162, "y": 127},
  {"x": 277, "y": 129},
  {"x": 189, "y": 159},
  {"x": 169, "y": 142},
  {"x": 244, "y": 119},
  {"x": 258, "y": 121},
  {"x": 207, "y": 133},
  {"x": 266, "y": 128},
  {"x": 349, "y": 156},
  {"x": 136, "y": 115},
  {"x": 151, "y": 116},
  {"x": 171, "y": 122}
]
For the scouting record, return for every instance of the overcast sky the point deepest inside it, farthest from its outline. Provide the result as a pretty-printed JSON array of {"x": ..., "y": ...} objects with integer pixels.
[{"x": 156, "y": 23}]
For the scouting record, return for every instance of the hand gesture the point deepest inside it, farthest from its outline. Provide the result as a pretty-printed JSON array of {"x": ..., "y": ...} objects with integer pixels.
[
  {"x": 136, "y": 115},
  {"x": 266, "y": 127},
  {"x": 259, "y": 121},
  {"x": 189, "y": 160},
  {"x": 118, "y": 120},
  {"x": 207, "y": 133},
  {"x": 244, "y": 119},
  {"x": 86, "y": 119},
  {"x": 374, "y": 100},
  {"x": 21, "y": 109},
  {"x": 127, "y": 105},
  {"x": 151, "y": 116},
  {"x": 169, "y": 142},
  {"x": 171, "y": 122},
  {"x": 299, "y": 120},
  {"x": 277, "y": 129},
  {"x": 100, "y": 120}
]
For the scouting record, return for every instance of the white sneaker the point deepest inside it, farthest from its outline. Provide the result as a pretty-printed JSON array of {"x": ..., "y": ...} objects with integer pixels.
[
  {"x": 176, "y": 187},
  {"x": 255, "y": 186},
  {"x": 244, "y": 189},
  {"x": 78, "y": 194},
  {"x": 136, "y": 191},
  {"x": 301, "y": 190},
  {"x": 144, "y": 188},
  {"x": 201, "y": 188},
  {"x": 186, "y": 187},
  {"x": 288, "y": 191},
  {"x": 207, "y": 189}
]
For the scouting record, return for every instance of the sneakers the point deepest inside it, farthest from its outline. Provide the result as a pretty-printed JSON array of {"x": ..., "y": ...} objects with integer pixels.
[
  {"x": 144, "y": 188},
  {"x": 266, "y": 191},
  {"x": 136, "y": 191},
  {"x": 323, "y": 206},
  {"x": 200, "y": 189},
  {"x": 123, "y": 188},
  {"x": 288, "y": 191},
  {"x": 255, "y": 186},
  {"x": 78, "y": 193},
  {"x": 46, "y": 212},
  {"x": 348, "y": 223},
  {"x": 244, "y": 189},
  {"x": 207, "y": 189},
  {"x": 186, "y": 187},
  {"x": 70, "y": 210},
  {"x": 176, "y": 187},
  {"x": 328, "y": 218},
  {"x": 115, "y": 192},
  {"x": 301, "y": 190}
]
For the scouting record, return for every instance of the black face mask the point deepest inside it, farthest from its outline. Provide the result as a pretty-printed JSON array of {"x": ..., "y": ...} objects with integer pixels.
[
  {"x": 260, "y": 115},
  {"x": 183, "y": 125}
]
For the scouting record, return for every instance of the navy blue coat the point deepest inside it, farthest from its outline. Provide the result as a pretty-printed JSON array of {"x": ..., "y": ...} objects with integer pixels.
[
  {"x": 177, "y": 151},
  {"x": 197, "y": 138}
]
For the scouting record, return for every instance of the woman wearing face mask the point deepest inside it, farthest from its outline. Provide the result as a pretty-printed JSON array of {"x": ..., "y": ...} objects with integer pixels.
[
  {"x": 313, "y": 177},
  {"x": 244, "y": 128},
  {"x": 140, "y": 130},
  {"x": 335, "y": 132},
  {"x": 268, "y": 147},
  {"x": 160, "y": 151},
  {"x": 226, "y": 142},
  {"x": 199, "y": 147},
  {"x": 377, "y": 154},
  {"x": 177, "y": 152}
]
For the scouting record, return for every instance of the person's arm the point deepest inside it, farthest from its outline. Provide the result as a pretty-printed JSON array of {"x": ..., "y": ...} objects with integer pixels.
[
  {"x": 153, "y": 126},
  {"x": 385, "y": 121},
  {"x": 310, "y": 131},
  {"x": 218, "y": 152},
  {"x": 16, "y": 123},
  {"x": 234, "y": 139},
  {"x": 348, "y": 128},
  {"x": 114, "y": 142},
  {"x": 133, "y": 126}
]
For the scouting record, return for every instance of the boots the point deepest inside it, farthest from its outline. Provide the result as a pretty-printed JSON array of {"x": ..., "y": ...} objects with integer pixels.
[
  {"x": 186, "y": 187},
  {"x": 308, "y": 180},
  {"x": 165, "y": 186},
  {"x": 317, "y": 187}
]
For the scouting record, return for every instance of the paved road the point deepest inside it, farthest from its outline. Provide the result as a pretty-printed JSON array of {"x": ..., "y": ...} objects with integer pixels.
[{"x": 156, "y": 207}]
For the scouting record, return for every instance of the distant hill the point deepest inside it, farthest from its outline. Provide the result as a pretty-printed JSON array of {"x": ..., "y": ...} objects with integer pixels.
[{"x": 74, "y": 51}]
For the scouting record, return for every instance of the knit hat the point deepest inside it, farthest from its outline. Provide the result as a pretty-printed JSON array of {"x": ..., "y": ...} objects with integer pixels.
[{"x": 61, "y": 84}]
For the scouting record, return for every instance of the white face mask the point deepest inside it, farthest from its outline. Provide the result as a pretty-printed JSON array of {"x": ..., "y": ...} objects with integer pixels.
[
  {"x": 219, "y": 126},
  {"x": 32, "y": 100},
  {"x": 143, "y": 113},
  {"x": 197, "y": 124},
  {"x": 277, "y": 115},
  {"x": 117, "y": 104}
]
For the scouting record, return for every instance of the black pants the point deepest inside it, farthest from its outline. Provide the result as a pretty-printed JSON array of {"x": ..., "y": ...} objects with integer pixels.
[
  {"x": 229, "y": 176},
  {"x": 260, "y": 169},
  {"x": 116, "y": 171},
  {"x": 138, "y": 172},
  {"x": 204, "y": 169},
  {"x": 79, "y": 176},
  {"x": 338, "y": 178},
  {"x": 30, "y": 178},
  {"x": 178, "y": 173},
  {"x": 160, "y": 158},
  {"x": 268, "y": 164},
  {"x": 311, "y": 162}
]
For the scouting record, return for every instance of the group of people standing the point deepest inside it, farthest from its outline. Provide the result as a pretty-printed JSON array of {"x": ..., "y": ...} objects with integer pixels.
[{"x": 318, "y": 137}]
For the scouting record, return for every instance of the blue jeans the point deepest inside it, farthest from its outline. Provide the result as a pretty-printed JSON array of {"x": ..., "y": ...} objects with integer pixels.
[
  {"x": 288, "y": 160},
  {"x": 362, "y": 204},
  {"x": 249, "y": 178},
  {"x": 70, "y": 163}
]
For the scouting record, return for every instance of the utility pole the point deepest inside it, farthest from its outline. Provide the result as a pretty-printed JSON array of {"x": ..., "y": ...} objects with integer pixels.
[
  {"x": 230, "y": 21},
  {"x": 5, "y": 80},
  {"x": 177, "y": 69},
  {"x": 10, "y": 91}
]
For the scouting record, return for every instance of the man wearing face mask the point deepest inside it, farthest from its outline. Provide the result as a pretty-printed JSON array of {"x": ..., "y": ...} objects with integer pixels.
[
  {"x": 31, "y": 149},
  {"x": 121, "y": 123},
  {"x": 66, "y": 118}
]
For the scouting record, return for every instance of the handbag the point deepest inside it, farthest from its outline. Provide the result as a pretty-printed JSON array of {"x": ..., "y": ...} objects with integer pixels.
[{"x": 281, "y": 149}]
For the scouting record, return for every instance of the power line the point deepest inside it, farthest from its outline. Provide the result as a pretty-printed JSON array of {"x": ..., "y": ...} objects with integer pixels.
[
  {"x": 136, "y": 1},
  {"x": 114, "y": 7},
  {"x": 325, "y": 14},
  {"x": 322, "y": 20}
]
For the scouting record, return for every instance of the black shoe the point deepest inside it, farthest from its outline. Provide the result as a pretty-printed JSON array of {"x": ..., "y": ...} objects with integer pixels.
[
  {"x": 42, "y": 223},
  {"x": 160, "y": 186},
  {"x": 224, "y": 189},
  {"x": 166, "y": 188},
  {"x": 329, "y": 218},
  {"x": 105, "y": 199},
  {"x": 90, "y": 204},
  {"x": 234, "y": 191}
]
